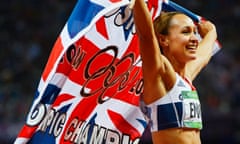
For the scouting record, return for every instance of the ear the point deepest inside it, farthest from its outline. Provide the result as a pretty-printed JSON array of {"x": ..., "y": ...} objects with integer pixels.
[{"x": 163, "y": 40}]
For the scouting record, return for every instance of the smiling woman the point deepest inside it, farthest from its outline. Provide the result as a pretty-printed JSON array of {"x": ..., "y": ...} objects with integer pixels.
[
  {"x": 178, "y": 42},
  {"x": 172, "y": 57}
]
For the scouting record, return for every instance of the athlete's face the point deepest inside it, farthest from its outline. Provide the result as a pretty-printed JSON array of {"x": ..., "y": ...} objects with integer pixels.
[{"x": 182, "y": 40}]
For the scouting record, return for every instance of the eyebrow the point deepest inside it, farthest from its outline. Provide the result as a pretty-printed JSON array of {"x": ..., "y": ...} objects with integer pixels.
[{"x": 190, "y": 27}]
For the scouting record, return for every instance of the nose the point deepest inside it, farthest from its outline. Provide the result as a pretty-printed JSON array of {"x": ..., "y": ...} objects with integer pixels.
[{"x": 194, "y": 38}]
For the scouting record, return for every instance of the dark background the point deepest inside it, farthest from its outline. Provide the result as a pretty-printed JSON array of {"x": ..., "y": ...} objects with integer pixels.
[{"x": 28, "y": 30}]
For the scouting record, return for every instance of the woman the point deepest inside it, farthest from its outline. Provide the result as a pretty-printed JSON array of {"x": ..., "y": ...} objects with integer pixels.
[{"x": 172, "y": 57}]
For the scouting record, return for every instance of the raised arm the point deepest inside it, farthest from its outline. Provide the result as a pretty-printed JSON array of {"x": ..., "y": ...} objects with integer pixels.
[
  {"x": 158, "y": 74},
  {"x": 153, "y": 61},
  {"x": 148, "y": 43},
  {"x": 208, "y": 33},
  {"x": 149, "y": 48}
]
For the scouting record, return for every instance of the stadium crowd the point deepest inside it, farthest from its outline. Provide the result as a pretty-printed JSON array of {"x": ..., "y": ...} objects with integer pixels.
[{"x": 30, "y": 28}]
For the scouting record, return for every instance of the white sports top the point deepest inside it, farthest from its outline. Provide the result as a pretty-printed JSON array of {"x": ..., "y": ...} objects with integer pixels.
[{"x": 179, "y": 108}]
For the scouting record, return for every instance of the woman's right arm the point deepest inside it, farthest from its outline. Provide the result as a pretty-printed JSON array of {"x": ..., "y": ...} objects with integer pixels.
[
  {"x": 158, "y": 74},
  {"x": 149, "y": 49}
]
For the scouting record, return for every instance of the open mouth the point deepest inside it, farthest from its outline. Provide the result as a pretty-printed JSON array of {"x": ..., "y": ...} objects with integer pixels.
[{"x": 192, "y": 47}]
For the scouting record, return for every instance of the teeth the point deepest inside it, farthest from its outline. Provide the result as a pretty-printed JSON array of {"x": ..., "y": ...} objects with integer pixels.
[{"x": 192, "y": 47}]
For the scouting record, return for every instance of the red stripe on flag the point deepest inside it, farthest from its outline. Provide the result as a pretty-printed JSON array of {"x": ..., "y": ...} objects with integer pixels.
[
  {"x": 123, "y": 125},
  {"x": 56, "y": 51},
  {"x": 115, "y": 1},
  {"x": 153, "y": 5},
  {"x": 62, "y": 98},
  {"x": 101, "y": 27},
  {"x": 81, "y": 112},
  {"x": 27, "y": 131}
]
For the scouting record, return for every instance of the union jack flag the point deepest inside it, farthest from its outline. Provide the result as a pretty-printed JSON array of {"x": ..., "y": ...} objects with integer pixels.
[{"x": 90, "y": 89}]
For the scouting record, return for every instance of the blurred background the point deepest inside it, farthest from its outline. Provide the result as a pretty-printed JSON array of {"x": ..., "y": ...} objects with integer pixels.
[{"x": 28, "y": 30}]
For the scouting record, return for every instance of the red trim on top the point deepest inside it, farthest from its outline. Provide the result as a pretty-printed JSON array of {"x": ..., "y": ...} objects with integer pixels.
[{"x": 190, "y": 83}]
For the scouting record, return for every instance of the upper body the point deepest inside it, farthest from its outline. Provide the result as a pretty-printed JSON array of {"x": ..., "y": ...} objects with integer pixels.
[{"x": 169, "y": 46}]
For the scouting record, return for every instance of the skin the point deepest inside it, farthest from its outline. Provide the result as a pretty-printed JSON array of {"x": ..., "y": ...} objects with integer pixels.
[{"x": 183, "y": 53}]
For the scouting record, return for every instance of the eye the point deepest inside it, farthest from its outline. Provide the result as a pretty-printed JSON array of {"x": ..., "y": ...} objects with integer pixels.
[
  {"x": 189, "y": 30},
  {"x": 185, "y": 32}
]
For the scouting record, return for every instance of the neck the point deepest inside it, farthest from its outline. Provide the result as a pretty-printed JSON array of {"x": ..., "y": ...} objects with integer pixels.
[{"x": 180, "y": 68}]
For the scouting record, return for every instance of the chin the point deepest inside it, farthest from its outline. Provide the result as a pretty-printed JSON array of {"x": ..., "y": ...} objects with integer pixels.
[
  {"x": 192, "y": 57},
  {"x": 192, "y": 54}
]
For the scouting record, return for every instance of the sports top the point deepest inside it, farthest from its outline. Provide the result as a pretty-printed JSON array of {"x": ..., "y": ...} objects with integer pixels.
[{"x": 180, "y": 107}]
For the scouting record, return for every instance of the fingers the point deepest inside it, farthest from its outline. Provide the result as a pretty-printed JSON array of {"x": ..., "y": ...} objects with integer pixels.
[{"x": 204, "y": 27}]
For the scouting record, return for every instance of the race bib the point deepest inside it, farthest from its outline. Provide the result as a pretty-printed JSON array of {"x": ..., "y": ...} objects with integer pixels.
[{"x": 192, "y": 113}]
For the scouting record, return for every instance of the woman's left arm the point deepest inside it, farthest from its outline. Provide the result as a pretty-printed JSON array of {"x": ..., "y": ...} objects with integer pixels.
[{"x": 207, "y": 31}]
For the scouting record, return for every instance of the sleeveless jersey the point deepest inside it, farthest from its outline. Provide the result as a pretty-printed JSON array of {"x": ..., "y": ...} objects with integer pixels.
[{"x": 180, "y": 107}]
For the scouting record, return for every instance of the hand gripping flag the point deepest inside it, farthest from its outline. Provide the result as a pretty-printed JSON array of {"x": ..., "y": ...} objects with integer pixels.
[
  {"x": 90, "y": 89},
  {"x": 168, "y": 5}
]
